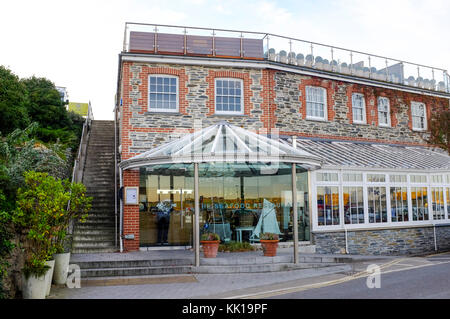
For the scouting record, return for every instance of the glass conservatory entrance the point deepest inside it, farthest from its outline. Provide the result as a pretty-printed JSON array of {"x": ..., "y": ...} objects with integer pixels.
[{"x": 237, "y": 201}]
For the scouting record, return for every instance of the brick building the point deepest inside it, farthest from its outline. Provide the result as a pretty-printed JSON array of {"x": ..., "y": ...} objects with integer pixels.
[{"x": 377, "y": 186}]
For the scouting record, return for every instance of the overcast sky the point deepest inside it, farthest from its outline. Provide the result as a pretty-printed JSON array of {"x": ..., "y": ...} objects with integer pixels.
[{"x": 76, "y": 43}]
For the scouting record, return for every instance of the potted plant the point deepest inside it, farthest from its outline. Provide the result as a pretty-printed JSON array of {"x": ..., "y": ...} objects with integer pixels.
[
  {"x": 40, "y": 213},
  {"x": 76, "y": 209},
  {"x": 269, "y": 243},
  {"x": 210, "y": 243}
]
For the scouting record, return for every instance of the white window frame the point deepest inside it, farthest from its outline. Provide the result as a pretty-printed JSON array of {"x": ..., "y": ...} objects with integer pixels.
[
  {"x": 325, "y": 103},
  {"x": 177, "y": 98},
  {"x": 241, "y": 112},
  {"x": 364, "y": 119},
  {"x": 388, "y": 184},
  {"x": 388, "y": 111},
  {"x": 416, "y": 104}
]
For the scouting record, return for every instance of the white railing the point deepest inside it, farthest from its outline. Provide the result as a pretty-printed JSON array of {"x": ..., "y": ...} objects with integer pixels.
[{"x": 302, "y": 53}]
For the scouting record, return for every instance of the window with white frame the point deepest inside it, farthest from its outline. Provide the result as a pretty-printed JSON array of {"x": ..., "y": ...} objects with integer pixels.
[
  {"x": 327, "y": 177},
  {"x": 397, "y": 178},
  {"x": 163, "y": 93},
  {"x": 358, "y": 108},
  {"x": 399, "y": 203},
  {"x": 384, "y": 118},
  {"x": 419, "y": 203},
  {"x": 376, "y": 178},
  {"x": 316, "y": 103},
  {"x": 418, "y": 178},
  {"x": 328, "y": 205},
  {"x": 448, "y": 202},
  {"x": 352, "y": 177},
  {"x": 419, "y": 118},
  {"x": 229, "y": 96},
  {"x": 437, "y": 179},
  {"x": 376, "y": 200},
  {"x": 437, "y": 202},
  {"x": 353, "y": 205}
]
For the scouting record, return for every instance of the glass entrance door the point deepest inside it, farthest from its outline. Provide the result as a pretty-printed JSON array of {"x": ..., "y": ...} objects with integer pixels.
[{"x": 166, "y": 212}]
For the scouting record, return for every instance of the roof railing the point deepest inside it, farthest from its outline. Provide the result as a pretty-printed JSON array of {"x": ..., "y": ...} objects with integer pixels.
[{"x": 213, "y": 42}]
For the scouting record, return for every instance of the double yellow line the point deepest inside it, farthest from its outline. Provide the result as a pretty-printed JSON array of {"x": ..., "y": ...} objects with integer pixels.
[{"x": 283, "y": 291}]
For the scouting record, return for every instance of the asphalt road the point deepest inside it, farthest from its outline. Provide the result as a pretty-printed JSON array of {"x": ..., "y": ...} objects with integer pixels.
[{"x": 426, "y": 278}]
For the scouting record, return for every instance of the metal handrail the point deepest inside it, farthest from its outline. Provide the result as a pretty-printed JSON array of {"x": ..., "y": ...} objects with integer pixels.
[
  {"x": 78, "y": 165},
  {"x": 83, "y": 145},
  {"x": 265, "y": 36}
]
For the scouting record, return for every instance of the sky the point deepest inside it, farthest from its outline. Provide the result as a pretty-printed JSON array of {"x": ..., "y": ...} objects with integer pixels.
[{"x": 76, "y": 44}]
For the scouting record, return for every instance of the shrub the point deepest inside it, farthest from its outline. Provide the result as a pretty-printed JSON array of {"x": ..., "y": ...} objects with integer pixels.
[
  {"x": 43, "y": 212},
  {"x": 209, "y": 236},
  {"x": 236, "y": 246},
  {"x": 268, "y": 236}
]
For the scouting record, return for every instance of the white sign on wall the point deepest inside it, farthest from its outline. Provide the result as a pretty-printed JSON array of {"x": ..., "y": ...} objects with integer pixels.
[{"x": 131, "y": 195}]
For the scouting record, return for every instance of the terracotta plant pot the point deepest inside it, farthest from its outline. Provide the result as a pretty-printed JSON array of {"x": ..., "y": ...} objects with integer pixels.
[
  {"x": 269, "y": 247},
  {"x": 210, "y": 248}
]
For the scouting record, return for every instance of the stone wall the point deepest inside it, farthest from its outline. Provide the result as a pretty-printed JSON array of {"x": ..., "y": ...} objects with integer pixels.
[
  {"x": 402, "y": 241},
  {"x": 290, "y": 111},
  {"x": 272, "y": 99}
]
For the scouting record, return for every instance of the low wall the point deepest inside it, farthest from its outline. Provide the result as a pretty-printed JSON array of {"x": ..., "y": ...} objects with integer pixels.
[{"x": 400, "y": 241}]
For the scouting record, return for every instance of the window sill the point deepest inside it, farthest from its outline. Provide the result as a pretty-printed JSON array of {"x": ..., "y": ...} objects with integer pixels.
[
  {"x": 360, "y": 123},
  {"x": 420, "y": 130},
  {"x": 163, "y": 113},
  {"x": 315, "y": 119},
  {"x": 228, "y": 115}
]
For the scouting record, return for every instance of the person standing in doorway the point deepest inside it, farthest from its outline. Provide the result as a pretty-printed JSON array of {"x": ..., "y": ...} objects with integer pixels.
[{"x": 165, "y": 207}]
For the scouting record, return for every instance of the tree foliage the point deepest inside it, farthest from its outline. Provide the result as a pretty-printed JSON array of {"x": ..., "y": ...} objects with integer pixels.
[
  {"x": 440, "y": 128},
  {"x": 13, "y": 102}
]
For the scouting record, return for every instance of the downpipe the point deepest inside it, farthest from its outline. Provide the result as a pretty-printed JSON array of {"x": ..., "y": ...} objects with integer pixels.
[
  {"x": 434, "y": 235},
  {"x": 346, "y": 240},
  {"x": 121, "y": 212}
]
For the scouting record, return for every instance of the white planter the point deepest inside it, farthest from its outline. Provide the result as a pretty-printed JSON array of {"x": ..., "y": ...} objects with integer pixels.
[
  {"x": 49, "y": 276},
  {"x": 61, "y": 268},
  {"x": 34, "y": 287}
]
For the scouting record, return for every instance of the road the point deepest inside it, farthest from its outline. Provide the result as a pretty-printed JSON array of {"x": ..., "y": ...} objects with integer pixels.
[{"x": 408, "y": 278}]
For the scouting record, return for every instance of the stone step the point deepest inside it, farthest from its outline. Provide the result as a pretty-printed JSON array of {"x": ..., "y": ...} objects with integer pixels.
[
  {"x": 100, "y": 219},
  {"x": 88, "y": 227},
  {"x": 92, "y": 243},
  {"x": 95, "y": 231},
  {"x": 229, "y": 269},
  {"x": 94, "y": 250},
  {"x": 135, "y": 263},
  {"x": 93, "y": 238}
]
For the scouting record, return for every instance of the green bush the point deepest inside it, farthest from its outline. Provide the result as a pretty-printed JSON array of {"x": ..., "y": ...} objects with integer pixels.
[
  {"x": 41, "y": 212},
  {"x": 235, "y": 246}
]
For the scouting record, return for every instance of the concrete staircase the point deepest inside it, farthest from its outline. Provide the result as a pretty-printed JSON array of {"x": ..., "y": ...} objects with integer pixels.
[{"x": 97, "y": 234}]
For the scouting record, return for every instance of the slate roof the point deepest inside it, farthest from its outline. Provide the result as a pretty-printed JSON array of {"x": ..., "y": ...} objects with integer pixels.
[{"x": 373, "y": 155}]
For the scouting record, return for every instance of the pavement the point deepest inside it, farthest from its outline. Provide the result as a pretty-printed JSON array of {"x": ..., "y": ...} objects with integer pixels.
[{"x": 215, "y": 286}]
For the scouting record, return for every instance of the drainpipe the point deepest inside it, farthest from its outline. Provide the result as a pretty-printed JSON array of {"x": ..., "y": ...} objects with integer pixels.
[
  {"x": 115, "y": 176},
  {"x": 434, "y": 235},
  {"x": 346, "y": 240},
  {"x": 121, "y": 213}
]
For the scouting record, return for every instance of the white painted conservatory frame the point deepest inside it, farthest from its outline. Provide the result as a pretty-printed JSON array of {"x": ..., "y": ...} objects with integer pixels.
[
  {"x": 389, "y": 224},
  {"x": 191, "y": 149}
]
